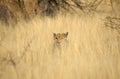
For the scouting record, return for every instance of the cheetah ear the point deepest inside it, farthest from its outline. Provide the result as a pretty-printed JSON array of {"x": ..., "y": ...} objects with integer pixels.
[{"x": 66, "y": 34}]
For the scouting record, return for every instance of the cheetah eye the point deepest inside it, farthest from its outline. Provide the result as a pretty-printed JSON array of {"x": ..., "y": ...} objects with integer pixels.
[{"x": 56, "y": 38}]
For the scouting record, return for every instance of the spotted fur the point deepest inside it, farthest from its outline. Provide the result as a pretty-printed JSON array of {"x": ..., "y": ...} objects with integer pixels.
[{"x": 60, "y": 40}]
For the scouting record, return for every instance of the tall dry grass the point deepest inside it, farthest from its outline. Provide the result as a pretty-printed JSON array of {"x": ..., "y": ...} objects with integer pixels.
[{"x": 93, "y": 51}]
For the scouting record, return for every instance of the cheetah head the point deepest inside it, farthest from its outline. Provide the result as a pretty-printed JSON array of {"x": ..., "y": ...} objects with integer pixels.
[{"x": 59, "y": 37}]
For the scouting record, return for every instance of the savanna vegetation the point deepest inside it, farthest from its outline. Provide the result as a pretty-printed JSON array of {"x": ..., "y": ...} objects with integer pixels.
[{"x": 26, "y": 39}]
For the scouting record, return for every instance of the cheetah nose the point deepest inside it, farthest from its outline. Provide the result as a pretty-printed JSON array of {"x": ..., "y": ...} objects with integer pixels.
[{"x": 58, "y": 42}]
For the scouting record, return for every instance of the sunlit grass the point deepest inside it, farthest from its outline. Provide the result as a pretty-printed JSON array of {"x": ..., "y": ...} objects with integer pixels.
[{"x": 93, "y": 51}]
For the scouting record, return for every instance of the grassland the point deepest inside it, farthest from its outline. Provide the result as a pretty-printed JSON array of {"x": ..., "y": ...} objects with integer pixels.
[{"x": 93, "y": 51}]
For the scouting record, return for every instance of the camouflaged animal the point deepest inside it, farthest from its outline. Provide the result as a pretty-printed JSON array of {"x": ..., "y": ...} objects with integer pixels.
[
  {"x": 60, "y": 40},
  {"x": 60, "y": 37}
]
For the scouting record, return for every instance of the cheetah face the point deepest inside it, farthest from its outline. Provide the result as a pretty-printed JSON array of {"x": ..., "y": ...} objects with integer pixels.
[{"x": 59, "y": 37}]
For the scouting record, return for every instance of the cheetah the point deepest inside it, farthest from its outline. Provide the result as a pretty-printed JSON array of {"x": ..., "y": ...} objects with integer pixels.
[{"x": 60, "y": 40}]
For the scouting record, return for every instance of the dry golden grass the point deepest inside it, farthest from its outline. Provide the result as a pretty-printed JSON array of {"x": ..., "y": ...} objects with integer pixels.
[{"x": 93, "y": 51}]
